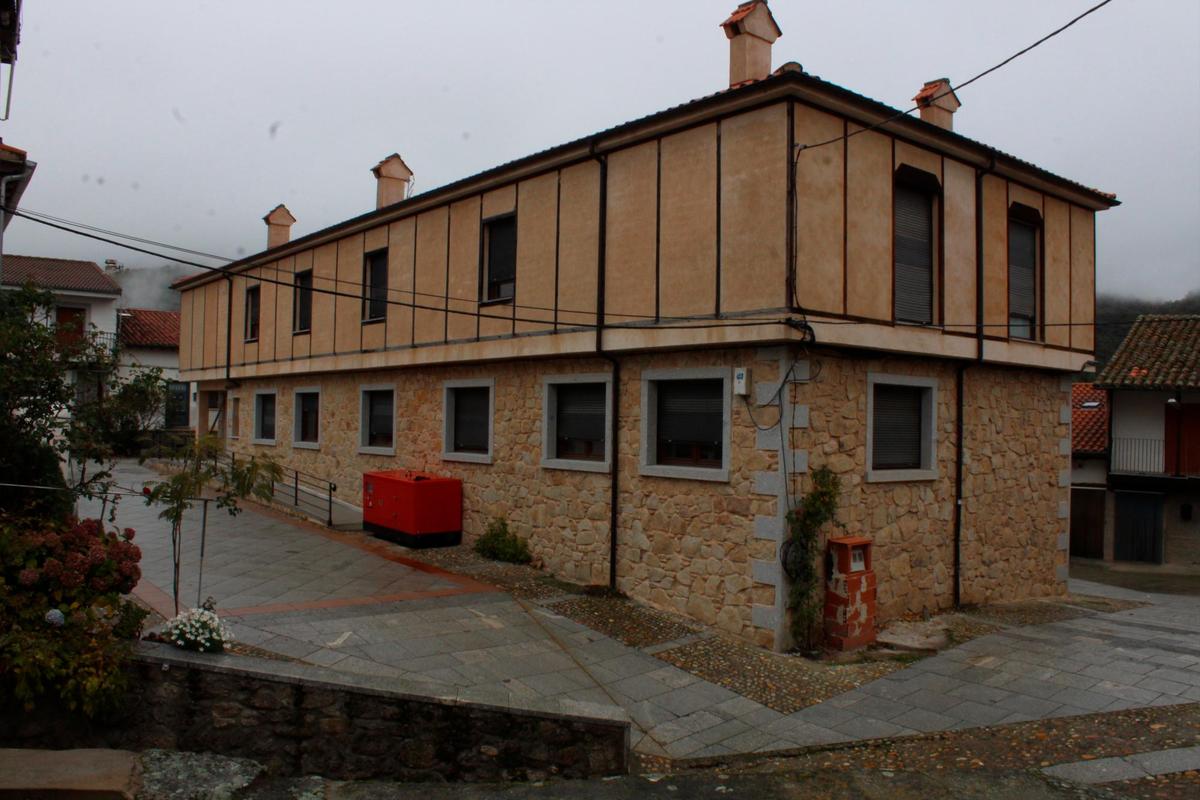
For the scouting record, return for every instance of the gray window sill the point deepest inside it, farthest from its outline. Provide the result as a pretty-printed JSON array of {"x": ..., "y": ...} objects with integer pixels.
[
  {"x": 719, "y": 475},
  {"x": 899, "y": 475},
  {"x": 306, "y": 445},
  {"x": 472, "y": 458},
  {"x": 578, "y": 465},
  {"x": 263, "y": 442},
  {"x": 376, "y": 451}
]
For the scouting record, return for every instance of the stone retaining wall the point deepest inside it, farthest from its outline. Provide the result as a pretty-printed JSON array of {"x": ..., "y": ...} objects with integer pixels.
[{"x": 301, "y": 720}]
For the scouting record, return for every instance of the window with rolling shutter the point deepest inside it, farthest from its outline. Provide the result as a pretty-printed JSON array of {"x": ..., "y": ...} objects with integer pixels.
[
  {"x": 913, "y": 224},
  {"x": 579, "y": 421},
  {"x": 308, "y": 416},
  {"x": 375, "y": 288},
  {"x": 378, "y": 420},
  {"x": 1022, "y": 279},
  {"x": 264, "y": 417},
  {"x": 251, "y": 331},
  {"x": 469, "y": 432},
  {"x": 500, "y": 258},
  {"x": 690, "y": 422},
  {"x": 897, "y": 427}
]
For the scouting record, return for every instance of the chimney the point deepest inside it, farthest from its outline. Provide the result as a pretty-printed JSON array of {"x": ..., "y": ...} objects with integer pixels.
[
  {"x": 938, "y": 103},
  {"x": 392, "y": 180},
  {"x": 751, "y": 31},
  {"x": 279, "y": 226}
]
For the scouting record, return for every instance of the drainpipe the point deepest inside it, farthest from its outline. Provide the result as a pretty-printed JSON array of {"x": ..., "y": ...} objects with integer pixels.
[
  {"x": 959, "y": 382},
  {"x": 228, "y": 327},
  {"x": 614, "y": 471}
]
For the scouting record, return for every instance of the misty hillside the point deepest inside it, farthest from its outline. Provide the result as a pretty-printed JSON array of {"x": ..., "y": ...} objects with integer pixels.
[
  {"x": 1115, "y": 314},
  {"x": 150, "y": 287}
]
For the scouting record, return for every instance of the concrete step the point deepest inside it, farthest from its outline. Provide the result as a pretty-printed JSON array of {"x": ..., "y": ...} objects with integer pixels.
[{"x": 69, "y": 774}]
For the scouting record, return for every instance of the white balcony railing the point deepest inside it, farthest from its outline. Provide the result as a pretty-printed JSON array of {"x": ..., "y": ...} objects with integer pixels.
[{"x": 1149, "y": 456}]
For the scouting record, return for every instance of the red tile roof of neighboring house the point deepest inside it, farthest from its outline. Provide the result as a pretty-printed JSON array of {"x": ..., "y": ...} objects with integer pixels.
[
  {"x": 1161, "y": 351},
  {"x": 148, "y": 327},
  {"x": 57, "y": 273},
  {"x": 1089, "y": 418}
]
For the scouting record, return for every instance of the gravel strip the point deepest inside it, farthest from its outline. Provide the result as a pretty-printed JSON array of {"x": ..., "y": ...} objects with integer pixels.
[{"x": 627, "y": 622}]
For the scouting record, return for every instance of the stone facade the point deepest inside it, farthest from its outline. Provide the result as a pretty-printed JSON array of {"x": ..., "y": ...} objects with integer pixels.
[
  {"x": 295, "y": 721},
  {"x": 709, "y": 549}
]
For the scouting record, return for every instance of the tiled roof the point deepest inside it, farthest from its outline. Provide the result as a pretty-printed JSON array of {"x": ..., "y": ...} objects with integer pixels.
[
  {"x": 1089, "y": 418},
  {"x": 148, "y": 327},
  {"x": 1161, "y": 351},
  {"x": 57, "y": 273}
]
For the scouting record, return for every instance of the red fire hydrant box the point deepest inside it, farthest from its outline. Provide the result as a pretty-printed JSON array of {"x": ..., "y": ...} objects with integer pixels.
[
  {"x": 415, "y": 509},
  {"x": 849, "y": 593}
]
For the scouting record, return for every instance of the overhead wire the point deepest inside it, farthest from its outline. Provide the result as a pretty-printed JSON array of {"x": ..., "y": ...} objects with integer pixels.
[{"x": 901, "y": 114}]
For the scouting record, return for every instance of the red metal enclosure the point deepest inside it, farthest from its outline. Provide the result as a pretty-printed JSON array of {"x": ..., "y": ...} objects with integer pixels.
[
  {"x": 415, "y": 509},
  {"x": 849, "y": 593}
]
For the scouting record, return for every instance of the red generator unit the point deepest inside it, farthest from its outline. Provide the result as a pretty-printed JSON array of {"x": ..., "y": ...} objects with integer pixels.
[{"x": 415, "y": 509}]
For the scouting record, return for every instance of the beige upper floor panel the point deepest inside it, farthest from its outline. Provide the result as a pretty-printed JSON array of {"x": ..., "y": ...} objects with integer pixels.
[{"x": 684, "y": 222}]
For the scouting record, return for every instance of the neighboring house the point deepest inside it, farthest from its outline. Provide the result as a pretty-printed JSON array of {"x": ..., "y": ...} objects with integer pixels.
[
  {"x": 84, "y": 295},
  {"x": 1153, "y": 383},
  {"x": 1089, "y": 469},
  {"x": 150, "y": 338},
  {"x": 637, "y": 345}
]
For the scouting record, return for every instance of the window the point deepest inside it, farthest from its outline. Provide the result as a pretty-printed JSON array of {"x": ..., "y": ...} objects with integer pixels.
[
  {"x": 902, "y": 428},
  {"x": 375, "y": 288},
  {"x": 306, "y": 425},
  {"x": 685, "y": 423},
  {"x": 575, "y": 422},
  {"x": 467, "y": 429},
  {"x": 500, "y": 258},
  {"x": 1022, "y": 277},
  {"x": 913, "y": 210},
  {"x": 252, "y": 313},
  {"x": 235, "y": 419},
  {"x": 302, "y": 302},
  {"x": 377, "y": 422},
  {"x": 175, "y": 414},
  {"x": 264, "y": 417}
]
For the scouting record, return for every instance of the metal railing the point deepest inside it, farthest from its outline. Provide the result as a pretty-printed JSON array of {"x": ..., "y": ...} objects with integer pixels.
[
  {"x": 309, "y": 494},
  {"x": 1152, "y": 456}
]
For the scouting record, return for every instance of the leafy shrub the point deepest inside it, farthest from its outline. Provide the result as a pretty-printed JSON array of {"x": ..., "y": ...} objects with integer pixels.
[
  {"x": 500, "y": 544},
  {"x": 800, "y": 554},
  {"x": 24, "y": 460},
  {"x": 64, "y": 629},
  {"x": 198, "y": 629}
]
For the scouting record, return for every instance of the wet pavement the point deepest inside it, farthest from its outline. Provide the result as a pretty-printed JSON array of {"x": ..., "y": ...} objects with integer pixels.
[{"x": 347, "y": 602}]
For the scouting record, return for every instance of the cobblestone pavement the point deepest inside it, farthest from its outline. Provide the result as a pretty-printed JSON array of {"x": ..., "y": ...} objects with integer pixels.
[{"x": 341, "y": 601}]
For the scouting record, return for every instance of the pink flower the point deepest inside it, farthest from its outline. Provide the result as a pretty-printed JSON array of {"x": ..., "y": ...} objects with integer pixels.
[{"x": 28, "y": 577}]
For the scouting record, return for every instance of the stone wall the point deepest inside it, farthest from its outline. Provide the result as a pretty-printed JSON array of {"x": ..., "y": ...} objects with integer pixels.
[
  {"x": 708, "y": 549},
  {"x": 295, "y": 720}
]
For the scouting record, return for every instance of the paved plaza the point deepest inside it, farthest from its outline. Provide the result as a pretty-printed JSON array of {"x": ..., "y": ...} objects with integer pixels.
[{"x": 346, "y": 602}]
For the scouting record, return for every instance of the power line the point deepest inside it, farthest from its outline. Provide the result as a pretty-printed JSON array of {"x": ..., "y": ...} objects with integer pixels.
[
  {"x": 120, "y": 235},
  {"x": 802, "y": 147}
]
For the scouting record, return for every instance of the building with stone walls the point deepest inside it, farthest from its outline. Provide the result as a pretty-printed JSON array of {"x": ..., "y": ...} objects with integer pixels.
[{"x": 637, "y": 345}]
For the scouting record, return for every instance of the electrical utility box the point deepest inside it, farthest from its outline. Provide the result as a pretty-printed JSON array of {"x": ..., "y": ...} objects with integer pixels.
[
  {"x": 415, "y": 509},
  {"x": 741, "y": 381}
]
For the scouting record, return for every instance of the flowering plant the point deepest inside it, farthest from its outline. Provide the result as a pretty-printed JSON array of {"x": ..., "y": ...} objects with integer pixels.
[{"x": 198, "y": 629}]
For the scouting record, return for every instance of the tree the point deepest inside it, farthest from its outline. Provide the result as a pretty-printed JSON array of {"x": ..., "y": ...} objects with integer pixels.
[{"x": 203, "y": 466}]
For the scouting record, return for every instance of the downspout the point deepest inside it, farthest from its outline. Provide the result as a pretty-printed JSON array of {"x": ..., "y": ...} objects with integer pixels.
[
  {"x": 959, "y": 382},
  {"x": 228, "y": 328},
  {"x": 614, "y": 470}
]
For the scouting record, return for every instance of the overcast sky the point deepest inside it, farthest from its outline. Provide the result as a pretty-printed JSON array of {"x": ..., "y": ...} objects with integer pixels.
[{"x": 186, "y": 122}]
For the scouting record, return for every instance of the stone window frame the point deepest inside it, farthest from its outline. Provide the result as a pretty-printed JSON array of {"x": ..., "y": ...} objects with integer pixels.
[
  {"x": 363, "y": 447},
  {"x": 549, "y": 430},
  {"x": 256, "y": 422},
  {"x": 929, "y": 405},
  {"x": 299, "y": 390},
  {"x": 448, "y": 388},
  {"x": 649, "y": 424}
]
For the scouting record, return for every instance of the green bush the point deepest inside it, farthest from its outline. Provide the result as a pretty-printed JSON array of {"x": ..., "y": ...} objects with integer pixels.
[
  {"x": 65, "y": 630},
  {"x": 500, "y": 544}
]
